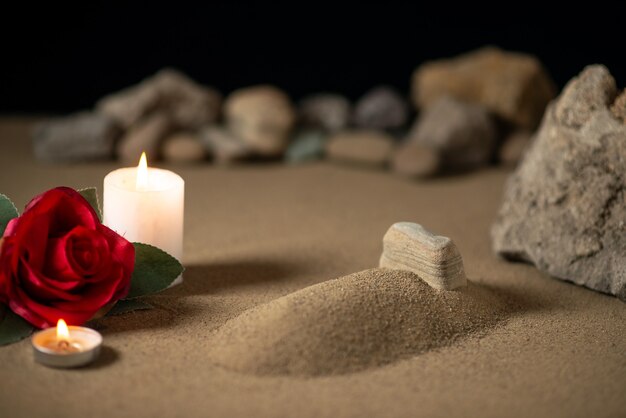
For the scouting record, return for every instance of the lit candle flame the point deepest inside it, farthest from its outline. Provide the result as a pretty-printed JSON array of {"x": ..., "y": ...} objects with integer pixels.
[
  {"x": 142, "y": 173},
  {"x": 63, "y": 333}
]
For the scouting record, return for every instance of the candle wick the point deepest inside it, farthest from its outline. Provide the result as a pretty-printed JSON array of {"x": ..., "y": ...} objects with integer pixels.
[{"x": 65, "y": 346}]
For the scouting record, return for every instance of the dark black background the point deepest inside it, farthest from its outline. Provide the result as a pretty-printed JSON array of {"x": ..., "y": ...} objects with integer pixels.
[{"x": 64, "y": 59}]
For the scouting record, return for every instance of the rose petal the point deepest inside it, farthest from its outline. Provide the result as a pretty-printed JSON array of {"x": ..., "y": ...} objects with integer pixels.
[
  {"x": 121, "y": 249},
  {"x": 59, "y": 261},
  {"x": 44, "y": 316},
  {"x": 87, "y": 251},
  {"x": 17, "y": 305},
  {"x": 10, "y": 228},
  {"x": 42, "y": 288},
  {"x": 94, "y": 296},
  {"x": 31, "y": 237},
  {"x": 70, "y": 211},
  {"x": 57, "y": 265},
  {"x": 9, "y": 260}
]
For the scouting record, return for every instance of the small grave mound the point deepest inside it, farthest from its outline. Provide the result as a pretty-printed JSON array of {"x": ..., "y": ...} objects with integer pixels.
[{"x": 363, "y": 320}]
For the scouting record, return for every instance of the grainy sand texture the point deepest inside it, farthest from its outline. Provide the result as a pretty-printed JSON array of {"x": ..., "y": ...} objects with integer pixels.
[
  {"x": 364, "y": 320},
  {"x": 281, "y": 314}
]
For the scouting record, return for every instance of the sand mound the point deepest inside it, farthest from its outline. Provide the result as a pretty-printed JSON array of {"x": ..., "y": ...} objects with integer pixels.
[{"x": 362, "y": 320}]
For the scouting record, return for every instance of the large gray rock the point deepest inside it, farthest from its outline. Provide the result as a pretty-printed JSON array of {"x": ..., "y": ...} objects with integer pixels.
[
  {"x": 619, "y": 107},
  {"x": 381, "y": 108},
  {"x": 79, "y": 137},
  {"x": 564, "y": 208},
  {"x": 463, "y": 134}
]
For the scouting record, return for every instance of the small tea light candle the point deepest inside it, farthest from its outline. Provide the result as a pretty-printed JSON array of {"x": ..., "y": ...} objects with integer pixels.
[
  {"x": 65, "y": 346},
  {"x": 146, "y": 205}
]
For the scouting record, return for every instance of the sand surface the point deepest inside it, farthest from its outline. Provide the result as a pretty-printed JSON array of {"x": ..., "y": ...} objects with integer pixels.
[
  {"x": 258, "y": 233},
  {"x": 360, "y": 321}
]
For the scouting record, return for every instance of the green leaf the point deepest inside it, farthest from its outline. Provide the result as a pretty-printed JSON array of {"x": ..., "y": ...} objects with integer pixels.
[
  {"x": 12, "y": 327},
  {"x": 154, "y": 270},
  {"x": 128, "y": 305},
  {"x": 91, "y": 195},
  {"x": 8, "y": 211}
]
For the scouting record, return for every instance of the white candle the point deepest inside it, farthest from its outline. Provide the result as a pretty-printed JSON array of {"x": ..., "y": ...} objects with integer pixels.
[{"x": 146, "y": 205}]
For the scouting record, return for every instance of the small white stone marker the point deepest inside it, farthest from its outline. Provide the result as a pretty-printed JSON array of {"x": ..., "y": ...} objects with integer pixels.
[{"x": 435, "y": 259}]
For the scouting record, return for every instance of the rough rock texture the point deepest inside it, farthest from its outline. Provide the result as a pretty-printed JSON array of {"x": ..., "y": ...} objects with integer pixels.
[
  {"x": 183, "y": 147},
  {"x": 262, "y": 117},
  {"x": 188, "y": 104},
  {"x": 144, "y": 136},
  {"x": 381, "y": 108},
  {"x": 327, "y": 111},
  {"x": 435, "y": 259},
  {"x": 513, "y": 147},
  {"x": 223, "y": 146},
  {"x": 306, "y": 146},
  {"x": 415, "y": 160},
  {"x": 79, "y": 137},
  {"x": 514, "y": 86},
  {"x": 362, "y": 147},
  {"x": 619, "y": 107},
  {"x": 564, "y": 208},
  {"x": 463, "y": 134}
]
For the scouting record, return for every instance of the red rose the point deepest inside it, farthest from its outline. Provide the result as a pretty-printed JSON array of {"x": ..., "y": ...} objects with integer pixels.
[{"x": 58, "y": 261}]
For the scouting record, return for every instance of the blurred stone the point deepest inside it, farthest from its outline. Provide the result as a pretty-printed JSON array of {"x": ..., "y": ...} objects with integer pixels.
[
  {"x": 514, "y": 86},
  {"x": 145, "y": 135},
  {"x": 381, "y": 108},
  {"x": 513, "y": 147},
  {"x": 416, "y": 160},
  {"x": 327, "y": 111},
  {"x": 464, "y": 135},
  {"x": 306, "y": 146},
  {"x": 183, "y": 147},
  {"x": 79, "y": 137},
  {"x": 188, "y": 104},
  {"x": 564, "y": 207},
  {"x": 262, "y": 117},
  {"x": 364, "y": 147},
  {"x": 223, "y": 146}
]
